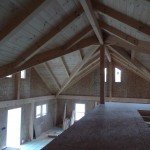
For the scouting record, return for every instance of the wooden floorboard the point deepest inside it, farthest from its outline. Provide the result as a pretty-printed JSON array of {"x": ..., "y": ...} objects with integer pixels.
[{"x": 113, "y": 126}]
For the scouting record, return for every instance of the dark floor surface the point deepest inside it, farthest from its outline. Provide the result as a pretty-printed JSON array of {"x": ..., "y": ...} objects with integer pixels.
[{"x": 113, "y": 126}]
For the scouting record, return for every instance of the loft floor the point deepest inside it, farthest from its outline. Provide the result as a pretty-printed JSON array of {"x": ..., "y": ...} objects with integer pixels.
[{"x": 113, "y": 126}]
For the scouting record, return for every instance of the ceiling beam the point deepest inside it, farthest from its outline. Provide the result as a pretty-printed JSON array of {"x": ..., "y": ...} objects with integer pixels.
[
  {"x": 136, "y": 65},
  {"x": 123, "y": 36},
  {"x": 107, "y": 53},
  {"x": 76, "y": 70},
  {"x": 142, "y": 47},
  {"x": 53, "y": 53},
  {"x": 144, "y": 28},
  {"x": 83, "y": 73},
  {"x": 87, "y": 6},
  {"x": 45, "y": 39},
  {"x": 17, "y": 22}
]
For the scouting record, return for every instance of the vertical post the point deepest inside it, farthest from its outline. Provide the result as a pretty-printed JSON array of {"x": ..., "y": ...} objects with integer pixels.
[
  {"x": 31, "y": 121},
  {"x": 102, "y": 58},
  {"x": 18, "y": 85},
  {"x": 110, "y": 79}
]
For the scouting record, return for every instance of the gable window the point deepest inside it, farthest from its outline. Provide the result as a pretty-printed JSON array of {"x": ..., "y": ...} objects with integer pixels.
[
  {"x": 38, "y": 111},
  {"x": 117, "y": 75},
  {"x": 44, "y": 110},
  {"x": 9, "y": 76},
  {"x": 105, "y": 73},
  {"x": 79, "y": 111},
  {"x": 23, "y": 74}
]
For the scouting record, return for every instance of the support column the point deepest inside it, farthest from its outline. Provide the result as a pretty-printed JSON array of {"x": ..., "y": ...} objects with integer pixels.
[
  {"x": 17, "y": 76},
  {"x": 110, "y": 78},
  {"x": 102, "y": 89},
  {"x": 31, "y": 121}
]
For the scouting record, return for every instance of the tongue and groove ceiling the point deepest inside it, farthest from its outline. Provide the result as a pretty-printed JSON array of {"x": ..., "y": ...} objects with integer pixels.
[{"x": 60, "y": 39}]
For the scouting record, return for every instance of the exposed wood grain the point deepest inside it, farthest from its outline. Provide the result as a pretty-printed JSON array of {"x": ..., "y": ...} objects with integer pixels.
[
  {"x": 87, "y": 6},
  {"x": 122, "y": 17},
  {"x": 75, "y": 71}
]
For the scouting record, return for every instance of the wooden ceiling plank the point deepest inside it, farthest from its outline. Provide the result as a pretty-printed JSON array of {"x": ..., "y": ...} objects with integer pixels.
[
  {"x": 112, "y": 40},
  {"x": 16, "y": 23},
  {"x": 83, "y": 74},
  {"x": 75, "y": 71},
  {"x": 52, "y": 75},
  {"x": 144, "y": 28},
  {"x": 45, "y": 39},
  {"x": 65, "y": 66},
  {"x": 50, "y": 54}
]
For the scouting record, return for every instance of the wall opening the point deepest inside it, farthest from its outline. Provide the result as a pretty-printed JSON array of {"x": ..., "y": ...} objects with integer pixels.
[
  {"x": 117, "y": 75},
  {"x": 13, "y": 128},
  {"x": 79, "y": 111}
]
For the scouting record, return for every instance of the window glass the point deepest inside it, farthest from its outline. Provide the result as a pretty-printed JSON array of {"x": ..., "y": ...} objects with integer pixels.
[
  {"x": 105, "y": 73},
  {"x": 9, "y": 76},
  {"x": 44, "y": 110},
  {"x": 38, "y": 111},
  {"x": 117, "y": 75},
  {"x": 79, "y": 111},
  {"x": 23, "y": 74}
]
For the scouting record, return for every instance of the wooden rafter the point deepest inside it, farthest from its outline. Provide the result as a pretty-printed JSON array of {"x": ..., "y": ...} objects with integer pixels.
[
  {"x": 45, "y": 39},
  {"x": 121, "y": 17},
  {"x": 65, "y": 67},
  {"x": 123, "y": 36},
  {"x": 136, "y": 65},
  {"x": 46, "y": 65},
  {"x": 91, "y": 67},
  {"x": 70, "y": 46},
  {"x": 87, "y": 6},
  {"x": 143, "y": 47},
  {"x": 16, "y": 23},
  {"x": 75, "y": 71}
]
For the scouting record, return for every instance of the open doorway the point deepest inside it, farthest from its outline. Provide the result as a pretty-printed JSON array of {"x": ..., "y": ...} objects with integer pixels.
[{"x": 13, "y": 128}]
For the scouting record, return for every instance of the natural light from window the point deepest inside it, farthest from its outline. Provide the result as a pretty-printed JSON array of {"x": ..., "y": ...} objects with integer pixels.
[
  {"x": 38, "y": 111},
  {"x": 117, "y": 75},
  {"x": 44, "y": 110},
  {"x": 79, "y": 111},
  {"x": 9, "y": 76},
  {"x": 23, "y": 74},
  {"x": 105, "y": 73}
]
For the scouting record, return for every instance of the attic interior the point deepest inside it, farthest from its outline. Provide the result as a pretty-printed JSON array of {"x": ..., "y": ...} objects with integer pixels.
[{"x": 74, "y": 74}]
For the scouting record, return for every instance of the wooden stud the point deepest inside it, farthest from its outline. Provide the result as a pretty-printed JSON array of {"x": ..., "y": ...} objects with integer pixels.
[
  {"x": 110, "y": 74},
  {"x": 18, "y": 85}
]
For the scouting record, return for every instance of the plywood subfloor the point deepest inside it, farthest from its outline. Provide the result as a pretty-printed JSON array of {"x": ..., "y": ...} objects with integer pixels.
[{"x": 113, "y": 126}]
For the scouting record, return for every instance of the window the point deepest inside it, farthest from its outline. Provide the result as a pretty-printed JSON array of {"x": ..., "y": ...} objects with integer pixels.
[
  {"x": 79, "y": 111},
  {"x": 41, "y": 110},
  {"x": 23, "y": 74},
  {"x": 117, "y": 75},
  {"x": 44, "y": 110},
  {"x": 38, "y": 111},
  {"x": 105, "y": 73},
  {"x": 9, "y": 76}
]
